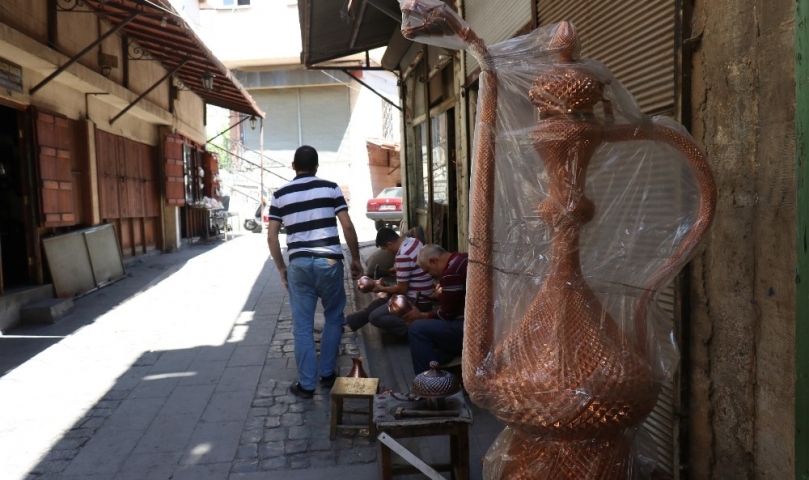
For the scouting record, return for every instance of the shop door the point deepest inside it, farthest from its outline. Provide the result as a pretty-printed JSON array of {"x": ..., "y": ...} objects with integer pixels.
[
  {"x": 13, "y": 232},
  {"x": 129, "y": 192},
  {"x": 445, "y": 214},
  {"x": 55, "y": 167}
]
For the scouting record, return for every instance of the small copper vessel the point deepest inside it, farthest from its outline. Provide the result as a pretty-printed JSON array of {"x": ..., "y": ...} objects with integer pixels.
[
  {"x": 356, "y": 370},
  {"x": 366, "y": 284},
  {"x": 400, "y": 305}
]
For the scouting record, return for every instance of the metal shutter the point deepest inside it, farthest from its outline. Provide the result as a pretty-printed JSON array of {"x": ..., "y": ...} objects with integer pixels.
[
  {"x": 324, "y": 121},
  {"x": 635, "y": 42},
  {"x": 281, "y": 124},
  {"x": 495, "y": 21}
]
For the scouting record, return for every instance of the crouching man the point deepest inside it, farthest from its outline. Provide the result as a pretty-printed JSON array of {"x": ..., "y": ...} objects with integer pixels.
[{"x": 438, "y": 335}]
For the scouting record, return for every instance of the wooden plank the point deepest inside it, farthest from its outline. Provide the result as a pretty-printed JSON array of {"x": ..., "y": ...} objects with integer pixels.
[
  {"x": 55, "y": 170},
  {"x": 173, "y": 159},
  {"x": 801, "y": 455}
]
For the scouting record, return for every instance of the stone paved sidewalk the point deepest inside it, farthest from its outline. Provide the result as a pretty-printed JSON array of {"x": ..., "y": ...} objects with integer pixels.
[{"x": 173, "y": 377}]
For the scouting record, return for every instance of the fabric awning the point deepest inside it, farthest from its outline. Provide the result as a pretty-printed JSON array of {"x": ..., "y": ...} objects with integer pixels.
[
  {"x": 333, "y": 29},
  {"x": 173, "y": 41}
]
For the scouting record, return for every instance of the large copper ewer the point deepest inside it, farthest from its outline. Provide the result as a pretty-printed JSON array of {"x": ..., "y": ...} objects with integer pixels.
[{"x": 583, "y": 209}]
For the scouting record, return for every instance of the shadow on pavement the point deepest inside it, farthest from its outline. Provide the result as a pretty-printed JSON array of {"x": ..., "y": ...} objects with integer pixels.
[
  {"x": 212, "y": 411},
  {"x": 23, "y": 342}
]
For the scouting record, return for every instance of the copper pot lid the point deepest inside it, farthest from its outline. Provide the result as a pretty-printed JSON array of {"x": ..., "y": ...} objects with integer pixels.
[{"x": 435, "y": 383}]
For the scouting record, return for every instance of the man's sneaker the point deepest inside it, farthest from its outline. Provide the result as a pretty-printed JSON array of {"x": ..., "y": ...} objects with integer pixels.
[
  {"x": 328, "y": 381},
  {"x": 301, "y": 392}
]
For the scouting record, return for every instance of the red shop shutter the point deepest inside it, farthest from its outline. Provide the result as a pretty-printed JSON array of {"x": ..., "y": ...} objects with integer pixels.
[
  {"x": 175, "y": 188},
  {"x": 53, "y": 136}
]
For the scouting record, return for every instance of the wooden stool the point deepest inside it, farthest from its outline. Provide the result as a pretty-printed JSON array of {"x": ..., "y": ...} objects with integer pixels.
[
  {"x": 362, "y": 388},
  {"x": 457, "y": 428}
]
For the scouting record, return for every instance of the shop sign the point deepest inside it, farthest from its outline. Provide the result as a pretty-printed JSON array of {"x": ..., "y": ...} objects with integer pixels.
[{"x": 10, "y": 76}]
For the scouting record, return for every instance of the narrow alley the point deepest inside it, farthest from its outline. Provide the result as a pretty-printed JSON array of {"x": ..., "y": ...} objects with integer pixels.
[{"x": 181, "y": 370}]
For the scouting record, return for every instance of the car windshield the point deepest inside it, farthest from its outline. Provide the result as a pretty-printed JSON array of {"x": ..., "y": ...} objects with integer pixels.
[{"x": 395, "y": 192}]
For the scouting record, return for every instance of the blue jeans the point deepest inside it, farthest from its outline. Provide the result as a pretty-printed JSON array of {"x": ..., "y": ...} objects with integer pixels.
[
  {"x": 311, "y": 278},
  {"x": 439, "y": 340}
]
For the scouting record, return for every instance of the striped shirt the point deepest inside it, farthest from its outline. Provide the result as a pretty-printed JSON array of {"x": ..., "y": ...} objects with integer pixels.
[
  {"x": 308, "y": 207},
  {"x": 408, "y": 270}
]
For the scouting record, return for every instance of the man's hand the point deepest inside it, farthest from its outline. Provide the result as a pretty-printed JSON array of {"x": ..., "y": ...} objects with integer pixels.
[
  {"x": 356, "y": 268},
  {"x": 283, "y": 273}
]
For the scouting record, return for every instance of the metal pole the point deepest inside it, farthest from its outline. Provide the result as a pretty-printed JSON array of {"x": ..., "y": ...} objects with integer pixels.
[
  {"x": 149, "y": 90},
  {"x": 261, "y": 156},
  {"x": 76, "y": 57},
  {"x": 347, "y": 72},
  {"x": 227, "y": 130}
]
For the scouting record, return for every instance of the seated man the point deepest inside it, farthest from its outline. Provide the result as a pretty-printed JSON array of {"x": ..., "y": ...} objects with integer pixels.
[
  {"x": 380, "y": 265},
  {"x": 438, "y": 336},
  {"x": 411, "y": 280}
]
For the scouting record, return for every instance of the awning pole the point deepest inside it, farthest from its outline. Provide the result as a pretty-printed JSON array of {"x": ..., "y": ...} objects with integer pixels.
[
  {"x": 347, "y": 72},
  {"x": 76, "y": 57},
  {"x": 261, "y": 156},
  {"x": 149, "y": 90},
  {"x": 227, "y": 129}
]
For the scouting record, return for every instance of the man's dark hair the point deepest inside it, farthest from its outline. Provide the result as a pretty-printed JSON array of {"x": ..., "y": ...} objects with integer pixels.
[
  {"x": 305, "y": 159},
  {"x": 385, "y": 235}
]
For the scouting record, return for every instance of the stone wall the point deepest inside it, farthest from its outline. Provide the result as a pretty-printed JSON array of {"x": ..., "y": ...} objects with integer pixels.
[{"x": 741, "y": 416}]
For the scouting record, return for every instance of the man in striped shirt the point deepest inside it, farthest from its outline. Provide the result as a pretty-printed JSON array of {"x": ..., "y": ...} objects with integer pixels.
[
  {"x": 411, "y": 280},
  {"x": 438, "y": 335},
  {"x": 310, "y": 207}
]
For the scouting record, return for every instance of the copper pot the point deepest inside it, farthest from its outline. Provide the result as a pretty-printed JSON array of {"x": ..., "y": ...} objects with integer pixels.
[
  {"x": 366, "y": 284},
  {"x": 435, "y": 383},
  {"x": 400, "y": 305}
]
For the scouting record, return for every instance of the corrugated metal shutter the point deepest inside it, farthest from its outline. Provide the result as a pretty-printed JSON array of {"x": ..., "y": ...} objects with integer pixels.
[
  {"x": 324, "y": 120},
  {"x": 281, "y": 125},
  {"x": 636, "y": 42},
  {"x": 662, "y": 423},
  {"x": 495, "y": 21}
]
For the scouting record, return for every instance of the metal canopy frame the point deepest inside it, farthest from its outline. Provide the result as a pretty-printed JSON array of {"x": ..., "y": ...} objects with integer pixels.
[
  {"x": 229, "y": 128},
  {"x": 364, "y": 29},
  {"x": 348, "y": 72},
  {"x": 149, "y": 90},
  {"x": 76, "y": 57},
  {"x": 157, "y": 29}
]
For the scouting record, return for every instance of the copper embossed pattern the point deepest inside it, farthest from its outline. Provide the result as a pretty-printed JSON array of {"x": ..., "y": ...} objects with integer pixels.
[{"x": 552, "y": 361}]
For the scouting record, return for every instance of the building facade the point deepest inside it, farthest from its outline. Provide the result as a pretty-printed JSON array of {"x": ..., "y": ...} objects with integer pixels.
[
  {"x": 728, "y": 71},
  {"x": 102, "y": 116},
  {"x": 327, "y": 108}
]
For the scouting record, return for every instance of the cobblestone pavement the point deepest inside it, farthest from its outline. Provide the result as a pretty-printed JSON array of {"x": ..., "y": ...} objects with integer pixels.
[{"x": 180, "y": 371}]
